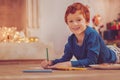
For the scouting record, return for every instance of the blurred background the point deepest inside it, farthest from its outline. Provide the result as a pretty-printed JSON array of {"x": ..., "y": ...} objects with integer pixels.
[{"x": 27, "y": 27}]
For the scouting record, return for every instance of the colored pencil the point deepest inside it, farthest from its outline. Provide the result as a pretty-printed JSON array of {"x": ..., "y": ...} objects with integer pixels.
[{"x": 47, "y": 55}]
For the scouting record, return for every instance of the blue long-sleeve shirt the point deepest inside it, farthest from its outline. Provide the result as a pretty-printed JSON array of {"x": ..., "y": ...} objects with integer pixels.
[{"x": 92, "y": 51}]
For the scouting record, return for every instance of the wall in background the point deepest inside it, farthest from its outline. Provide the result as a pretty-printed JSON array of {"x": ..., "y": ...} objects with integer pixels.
[{"x": 52, "y": 26}]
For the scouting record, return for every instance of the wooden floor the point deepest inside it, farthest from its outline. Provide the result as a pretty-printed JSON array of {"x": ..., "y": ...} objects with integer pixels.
[
  {"x": 19, "y": 61},
  {"x": 15, "y": 72}
]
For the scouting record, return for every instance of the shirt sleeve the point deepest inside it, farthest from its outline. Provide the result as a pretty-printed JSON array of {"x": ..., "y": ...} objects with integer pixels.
[
  {"x": 67, "y": 55},
  {"x": 93, "y": 48}
]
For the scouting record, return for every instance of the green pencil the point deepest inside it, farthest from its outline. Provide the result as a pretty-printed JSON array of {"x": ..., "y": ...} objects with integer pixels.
[{"x": 47, "y": 56}]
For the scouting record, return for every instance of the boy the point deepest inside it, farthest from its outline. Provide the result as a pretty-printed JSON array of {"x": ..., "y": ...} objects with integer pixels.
[{"x": 85, "y": 43}]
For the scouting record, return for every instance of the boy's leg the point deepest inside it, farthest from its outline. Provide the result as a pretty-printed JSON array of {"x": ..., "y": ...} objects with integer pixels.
[{"x": 116, "y": 50}]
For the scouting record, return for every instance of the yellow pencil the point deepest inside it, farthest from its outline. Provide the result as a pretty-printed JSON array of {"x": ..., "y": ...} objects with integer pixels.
[{"x": 70, "y": 68}]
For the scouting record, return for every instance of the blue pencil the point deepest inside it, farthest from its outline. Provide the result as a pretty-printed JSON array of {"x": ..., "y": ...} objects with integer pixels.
[{"x": 36, "y": 71}]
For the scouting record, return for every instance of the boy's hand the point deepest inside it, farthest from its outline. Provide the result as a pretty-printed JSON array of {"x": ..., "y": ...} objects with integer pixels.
[{"x": 46, "y": 63}]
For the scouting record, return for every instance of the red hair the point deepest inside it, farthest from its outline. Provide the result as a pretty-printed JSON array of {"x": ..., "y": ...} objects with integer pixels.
[{"x": 78, "y": 7}]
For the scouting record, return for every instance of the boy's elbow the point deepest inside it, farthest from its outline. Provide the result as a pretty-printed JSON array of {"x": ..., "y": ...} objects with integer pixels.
[{"x": 92, "y": 61}]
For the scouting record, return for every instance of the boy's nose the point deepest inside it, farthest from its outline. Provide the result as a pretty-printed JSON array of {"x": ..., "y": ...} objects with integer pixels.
[{"x": 75, "y": 23}]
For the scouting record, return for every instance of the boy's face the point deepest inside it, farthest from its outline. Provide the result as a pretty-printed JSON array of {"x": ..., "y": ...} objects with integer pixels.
[{"x": 76, "y": 22}]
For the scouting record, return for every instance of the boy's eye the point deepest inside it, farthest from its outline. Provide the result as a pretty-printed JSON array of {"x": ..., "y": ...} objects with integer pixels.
[
  {"x": 71, "y": 21},
  {"x": 78, "y": 19}
]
